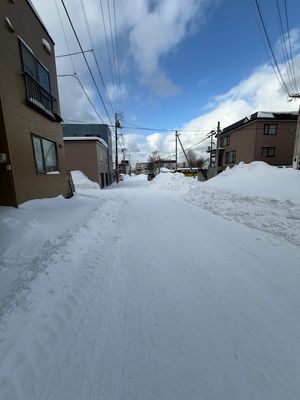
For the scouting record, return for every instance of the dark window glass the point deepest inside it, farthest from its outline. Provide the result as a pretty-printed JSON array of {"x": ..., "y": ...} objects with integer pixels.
[
  {"x": 45, "y": 154},
  {"x": 34, "y": 68},
  {"x": 230, "y": 157},
  {"x": 29, "y": 62},
  {"x": 43, "y": 77},
  {"x": 270, "y": 129},
  {"x": 268, "y": 151}
]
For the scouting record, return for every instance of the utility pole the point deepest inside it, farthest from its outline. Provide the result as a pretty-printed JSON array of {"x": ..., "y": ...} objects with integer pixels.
[
  {"x": 117, "y": 125},
  {"x": 176, "y": 134},
  {"x": 183, "y": 150},
  {"x": 296, "y": 156},
  {"x": 217, "y": 150}
]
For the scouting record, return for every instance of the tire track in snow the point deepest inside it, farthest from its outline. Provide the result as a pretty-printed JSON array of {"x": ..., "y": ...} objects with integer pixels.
[{"x": 32, "y": 363}]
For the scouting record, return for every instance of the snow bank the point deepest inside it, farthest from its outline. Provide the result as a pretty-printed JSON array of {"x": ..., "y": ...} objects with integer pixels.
[
  {"x": 173, "y": 181},
  {"x": 260, "y": 180},
  {"x": 31, "y": 233},
  {"x": 257, "y": 195},
  {"x": 82, "y": 182}
]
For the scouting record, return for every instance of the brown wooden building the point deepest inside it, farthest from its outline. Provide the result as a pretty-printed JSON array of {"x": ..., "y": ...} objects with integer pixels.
[
  {"x": 263, "y": 136},
  {"x": 32, "y": 161},
  {"x": 90, "y": 156}
]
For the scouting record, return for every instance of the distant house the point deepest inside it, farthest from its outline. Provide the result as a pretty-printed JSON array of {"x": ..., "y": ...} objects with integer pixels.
[
  {"x": 32, "y": 160},
  {"x": 101, "y": 131},
  {"x": 263, "y": 136},
  {"x": 88, "y": 155}
]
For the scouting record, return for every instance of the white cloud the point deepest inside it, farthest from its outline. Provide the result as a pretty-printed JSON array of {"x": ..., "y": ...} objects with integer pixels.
[
  {"x": 259, "y": 92},
  {"x": 158, "y": 32}
]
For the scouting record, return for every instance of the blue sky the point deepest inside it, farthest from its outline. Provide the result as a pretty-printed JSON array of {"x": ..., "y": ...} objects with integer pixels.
[{"x": 182, "y": 64}]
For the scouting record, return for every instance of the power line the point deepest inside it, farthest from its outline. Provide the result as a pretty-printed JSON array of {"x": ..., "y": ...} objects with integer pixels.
[
  {"x": 273, "y": 60},
  {"x": 84, "y": 91},
  {"x": 94, "y": 55},
  {"x": 284, "y": 48},
  {"x": 86, "y": 61},
  {"x": 117, "y": 51},
  {"x": 65, "y": 36},
  {"x": 73, "y": 54},
  {"x": 108, "y": 50},
  {"x": 290, "y": 46},
  {"x": 114, "y": 55}
]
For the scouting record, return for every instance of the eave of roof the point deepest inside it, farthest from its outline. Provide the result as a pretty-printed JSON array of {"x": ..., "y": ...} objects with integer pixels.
[
  {"x": 39, "y": 19},
  {"x": 85, "y": 139}
]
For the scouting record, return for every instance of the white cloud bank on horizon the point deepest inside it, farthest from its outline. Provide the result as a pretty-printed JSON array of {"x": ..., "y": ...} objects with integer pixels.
[{"x": 258, "y": 92}]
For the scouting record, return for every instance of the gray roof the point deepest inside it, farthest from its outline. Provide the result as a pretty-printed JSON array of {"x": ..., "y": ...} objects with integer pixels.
[{"x": 276, "y": 115}]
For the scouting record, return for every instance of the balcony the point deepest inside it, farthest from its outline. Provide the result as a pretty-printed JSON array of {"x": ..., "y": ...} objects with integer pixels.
[{"x": 38, "y": 97}]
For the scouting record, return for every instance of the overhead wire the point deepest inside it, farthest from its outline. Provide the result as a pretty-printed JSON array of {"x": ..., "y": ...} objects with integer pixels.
[
  {"x": 84, "y": 91},
  {"x": 290, "y": 45},
  {"x": 114, "y": 86},
  {"x": 114, "y": 56},
  {"x": 271, "y": 53},
  {"x": 86, "y": 61},
  {"x": 94, "y": 55},
  {"x": 65, "y": 36},
  {"x": 117, "y": 54},
  {"x": 284, "y": 49}
]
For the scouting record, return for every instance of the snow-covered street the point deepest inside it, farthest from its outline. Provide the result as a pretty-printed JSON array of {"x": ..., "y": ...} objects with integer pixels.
[{"x": 151, "y": 297}]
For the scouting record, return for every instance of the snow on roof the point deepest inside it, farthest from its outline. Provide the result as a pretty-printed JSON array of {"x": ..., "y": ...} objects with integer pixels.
[
  {"x": 81, "y": 138},
  {"x": 272, "y": 114}
]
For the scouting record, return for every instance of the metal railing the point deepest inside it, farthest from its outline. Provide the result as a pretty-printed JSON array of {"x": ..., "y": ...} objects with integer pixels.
[{"x": 38, "y": 96}]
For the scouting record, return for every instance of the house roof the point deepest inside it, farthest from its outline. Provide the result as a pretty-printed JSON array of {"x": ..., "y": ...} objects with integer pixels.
[
  {"x": 40, "y": 19},
  {"x": 276, "y": 115},
  {"x": 85, "y": 138}
]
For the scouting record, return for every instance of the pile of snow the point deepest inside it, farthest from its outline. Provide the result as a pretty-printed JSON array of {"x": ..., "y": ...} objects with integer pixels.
[
  {"x": 173, "y": 182},
  {"x": 82, "y": 182},
  {"x": 31, "y": 233},
  {"x": 259, "y": 179},
  {"x": 164, "y": 169}
]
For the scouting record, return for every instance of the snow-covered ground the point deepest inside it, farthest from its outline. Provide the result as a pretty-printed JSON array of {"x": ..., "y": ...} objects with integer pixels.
[
  {"x": 257, "y": 195},
  {"x": 132, "y": 292}
]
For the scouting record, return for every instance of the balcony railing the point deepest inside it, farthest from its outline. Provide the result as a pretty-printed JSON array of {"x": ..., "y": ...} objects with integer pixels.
[{"x": 38, "y": 96}]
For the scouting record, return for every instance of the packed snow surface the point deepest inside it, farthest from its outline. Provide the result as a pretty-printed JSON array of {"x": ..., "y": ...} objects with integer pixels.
[{"x": 135, "y": 293}]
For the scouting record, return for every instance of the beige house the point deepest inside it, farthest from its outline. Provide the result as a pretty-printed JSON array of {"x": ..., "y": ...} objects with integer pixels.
[
  {"x": 32, "y": 162},
  {"x": 263, "y": 136},
  {"x": 88, "y": 155}
]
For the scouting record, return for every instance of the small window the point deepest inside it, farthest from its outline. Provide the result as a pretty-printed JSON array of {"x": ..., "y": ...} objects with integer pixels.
[
  {"x": 225, "y": 141},
  {"x": 230, "y": 157},
  {"x": 268, "y": 151},
  {"x": 45, "y": 154},
  {"x": 270, "y": 129}
]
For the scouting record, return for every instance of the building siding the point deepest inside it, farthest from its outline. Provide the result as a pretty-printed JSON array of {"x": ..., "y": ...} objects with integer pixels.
[{"x": 20, "y": 120}]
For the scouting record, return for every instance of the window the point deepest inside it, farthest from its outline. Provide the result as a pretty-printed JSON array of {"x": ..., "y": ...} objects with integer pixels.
[
  {"x": 230, "y": 157},
  {"x": 268, "y": 151},
  {"x": 270, "y": 129},
  {"x": 225, "y": 141},
  {"x": 45, "y": 154},
  {"x": 37, "y": 81}
]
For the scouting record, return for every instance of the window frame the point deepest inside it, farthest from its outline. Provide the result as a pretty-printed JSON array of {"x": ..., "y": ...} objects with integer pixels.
[
  {"x": 232, "y": 154},
  {"x": 45, "y": 171},
  {"x": 37, "y": 64},
  {"x": 267, "y": 148},
  {"x": 267, "y": 129},
  {"x": 225, "y": 141}
]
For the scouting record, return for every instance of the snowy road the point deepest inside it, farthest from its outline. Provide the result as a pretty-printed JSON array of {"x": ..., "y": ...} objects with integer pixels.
[{"x": 153, "y": 298}]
